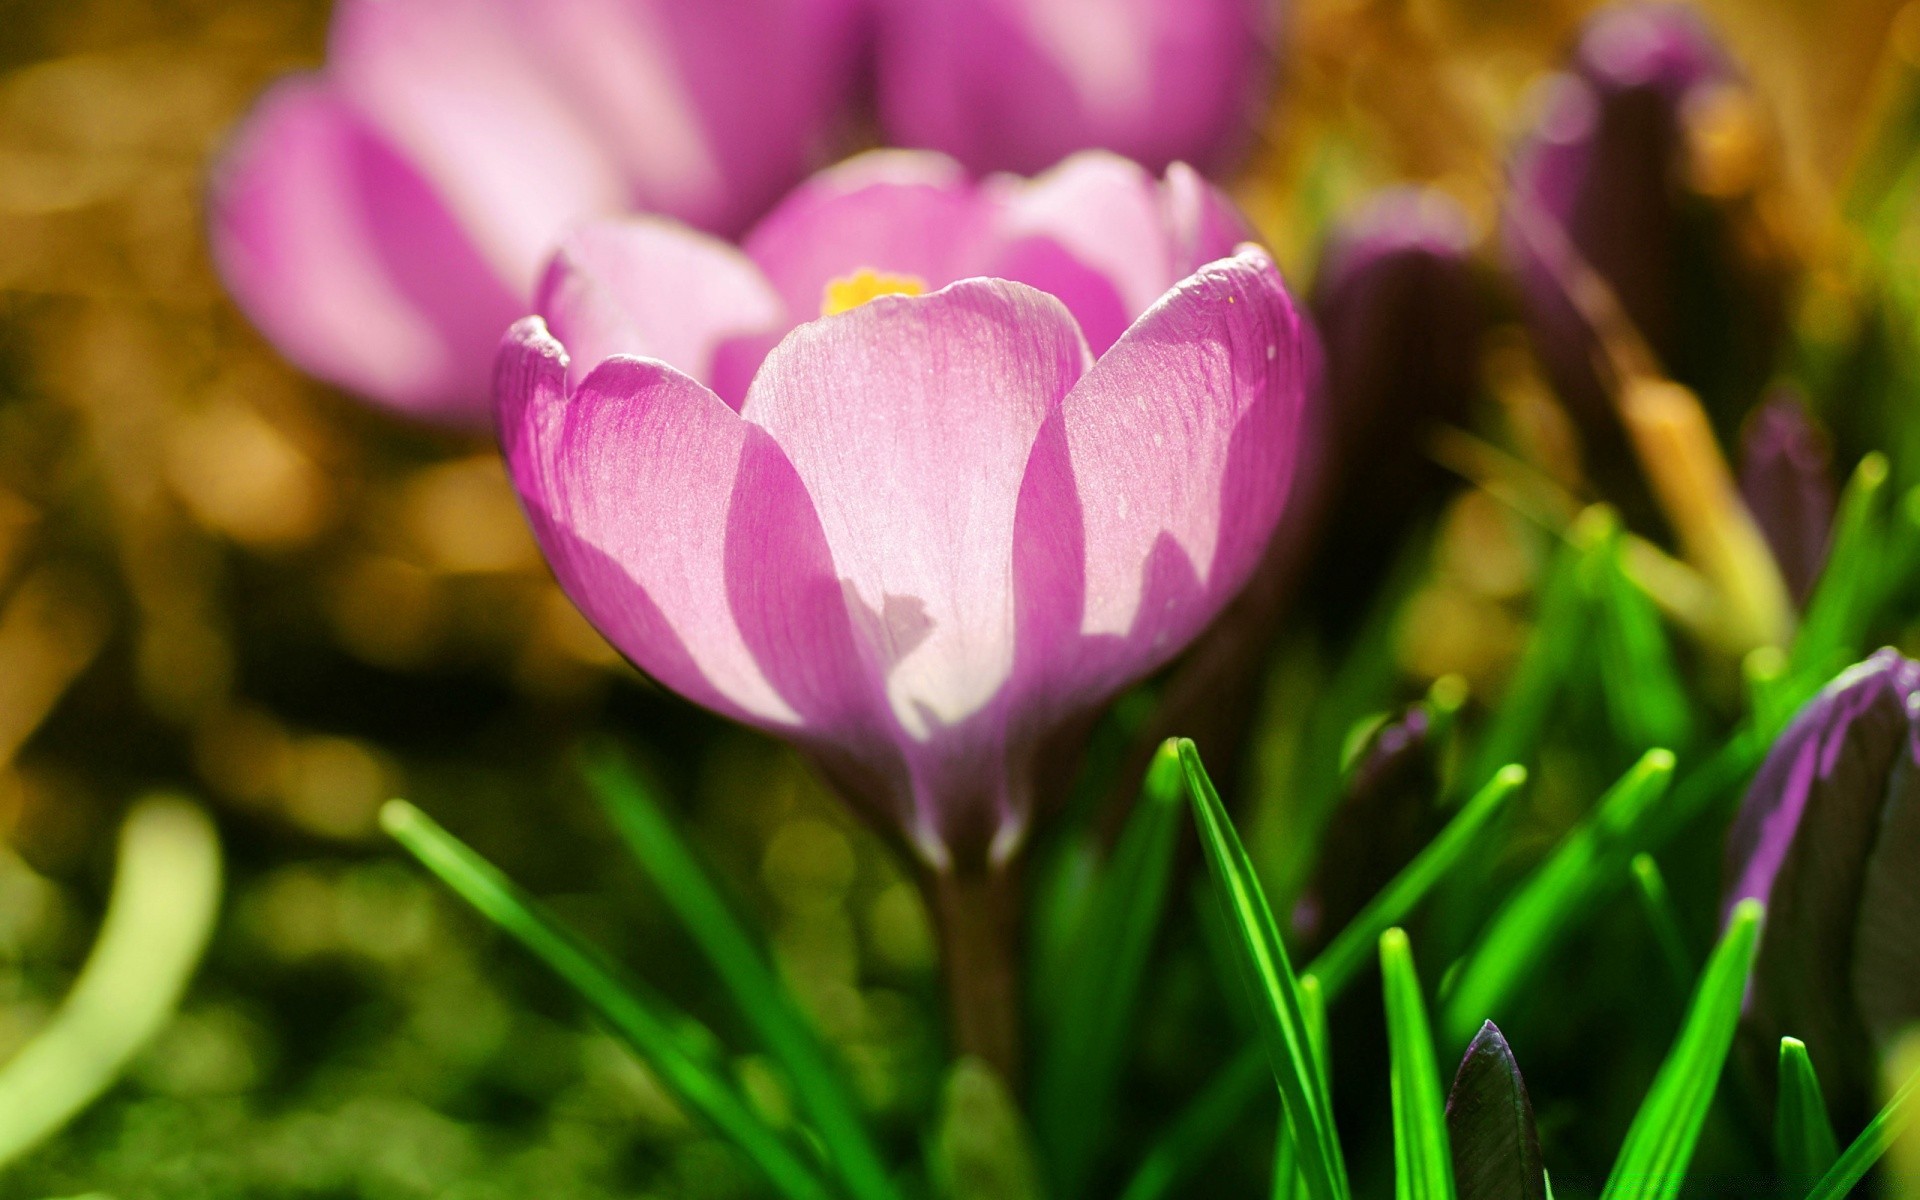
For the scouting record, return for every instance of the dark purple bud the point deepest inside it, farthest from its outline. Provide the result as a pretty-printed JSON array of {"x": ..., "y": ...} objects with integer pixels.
[
  {"x": 1385, "y": 816},
  {"x": 1829, "y": 839},
  {"x": 1636, "y": 165},
  {"x": 1400, "y": 319},
  {"x": 1496, "y": 1149},
  {"x": 1786, "y": 476}
]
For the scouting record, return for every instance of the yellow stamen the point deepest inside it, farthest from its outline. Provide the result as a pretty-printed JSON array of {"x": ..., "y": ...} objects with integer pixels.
[{"x": 851, "y": 291}]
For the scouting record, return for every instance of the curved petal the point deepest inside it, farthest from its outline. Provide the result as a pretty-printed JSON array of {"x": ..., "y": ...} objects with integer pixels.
[
  {"x": 910, "y": 421},
  {"x": 1169, "y": 467},
  {"x": 900, "y": 212},
  {"x": 649, "y": 287},
  {"x": 1132, "y": 235},
  {"x": 629, "y": 484},
  {"x": 350, "y": 261},
  {"x": 1019, "y": 84},
  {"x": 460, "y": 87}
]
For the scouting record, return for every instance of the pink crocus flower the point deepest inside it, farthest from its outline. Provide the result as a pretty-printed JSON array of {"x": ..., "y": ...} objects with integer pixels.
[
  {"x": 1097, "y": 231},
  {"x": 1018, "y": 84},
  {"x": 937, "y": 530},
  {"x": 384, "y": 219}
]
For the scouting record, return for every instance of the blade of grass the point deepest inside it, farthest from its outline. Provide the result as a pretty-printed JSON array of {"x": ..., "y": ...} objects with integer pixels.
[
  {"x": 1591, "y": 858},
  {"x": 1080, "y": 1069},
  {"x": 1287, "y": 1184},
  {"x": 1874, "y": 1141},
  {"x": 1199, "y": 1129},
  {"x": 1803, "y": 1138},
  {"x": 1838, "y": 611},
  {"x": 1269, "y": 976},
  {"x": 652, "y": 1030},
  {"x": 769, "y": 1008},
  {"x": 1559, "y": 630},
  {"x": 1336, "y": 965},
  {"x": 1660, "y": 1142},
  {"x": 1645, "y": 699},
  {"x": 1422, "y": 1159},
  {"x": 1651, "y": 887}
]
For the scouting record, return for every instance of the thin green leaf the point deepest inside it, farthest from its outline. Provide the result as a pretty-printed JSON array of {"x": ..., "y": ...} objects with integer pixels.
[
  {"x": 1276, "y": 992},
  {"x": 1838, "y": 612},
  {"x": 1559, "y": 631},
  {"x": 1645, "y": 699},
  {"x": 1335, "y": 966},
  {"x": 1198, "y": 1130},
  {"x": 1287, "y": 1183},
  {"x": 1080, "y": 1068},
  {"x": 1874, "y": 1141},
  {"x": 1422, "y": 1159},
  {"x": 1660, "y": 1142},
  {"x": 1803, "y": 1137},
  {"x": 1590, "y": 859},
  {"x": 769, "y": 1008},
  {"x": 648, "y": 1026},
  {"x": 1657, "y": 903}
]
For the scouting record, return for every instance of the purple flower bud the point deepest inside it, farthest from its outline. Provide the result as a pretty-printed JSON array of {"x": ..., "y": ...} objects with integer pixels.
[
  {"x": 1631, "y": 161},
  {"x": 1400, "y": 323},
  {"x": 1787, "y": 480},
  {"x": 1829, "y": 839}
]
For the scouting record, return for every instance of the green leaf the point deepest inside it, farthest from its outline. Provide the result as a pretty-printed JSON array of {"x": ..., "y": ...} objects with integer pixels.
[
  {"x": 1560, "y": 629},
  {"x": 1657, "y": 903},
  {"x": 1287, "y": 1183},
  {"x": 1803, "y": 1138},
  {"x": 1874, "y": 1141},
  {"x": 1079, "y": 1070},
  {"x": 1199, "y": 1129},
  {"x": 1645, "y": 699},
  {"x": 1276, "y": 992},
  {"x": 1839, "y": 611},
  {"x": 1496, "y": 1147},
  {"x": 1336, "y": 965},
  {"x": 1590, "y": 859},
  {"x": 1660, "y": 1142},
  {"x": 769, "y": 1008},
  {"x": 1422, "y": 1159},
  {"x": 653, "y": 1030}
]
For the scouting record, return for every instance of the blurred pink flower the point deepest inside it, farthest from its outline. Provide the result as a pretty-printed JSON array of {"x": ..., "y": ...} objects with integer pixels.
[
  {"x": 1098, "y": 232},
  {"x": 939, "y": 530},
  {"x": 1019, "y": 84},
  {"x": 385, "y": 219}
]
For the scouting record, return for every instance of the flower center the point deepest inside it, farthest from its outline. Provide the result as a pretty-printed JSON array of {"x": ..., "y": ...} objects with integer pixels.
[{"x": 851, "y": 291}]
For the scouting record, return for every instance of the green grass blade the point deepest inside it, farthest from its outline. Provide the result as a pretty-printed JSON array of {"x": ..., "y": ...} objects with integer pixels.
[
  {"x": 1276, "y": 992},
  {"x": 1874, "y": 1141},
  {"x": 654, "y": 1032},
  {"x": 1660, "y": 1142},
  {"x": 1287, "y": 1183},
  {"x": 1199, "y": 1129},
  {"x": 1645, "y": 699},
  {"x": 1343, "y": 957},
  {"x": 1080, "y": 1070},
  {"x": 1422, "y": 1159},
  {"x": 1559, "y": 630},
  {"x": 1803, "y": 1138},
  {"x": 1838, "y": 611},
  {"x": 1591, "y": 858},
  {"x": 819, "y": 1086},
  {"x": 1657, "y": 903}
]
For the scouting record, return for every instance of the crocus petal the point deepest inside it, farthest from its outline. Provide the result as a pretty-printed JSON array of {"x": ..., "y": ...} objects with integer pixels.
[
  {"x": 1174, "y": 459},
  {"x": 460, "y": 90},
  {"x": 1140, "y": 234},
  {"x": 910, "y": 420},
  {"x": 649, "y": 287},
  {"x": 1786, "y": 478},
  {"x": 629, "y": 484},
  {"x": 351, "y": 261},
  {"x": 1019, "y": 84},
  {"x": 1886, "y": 940},
  {"x": 893, "y": 211}
]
